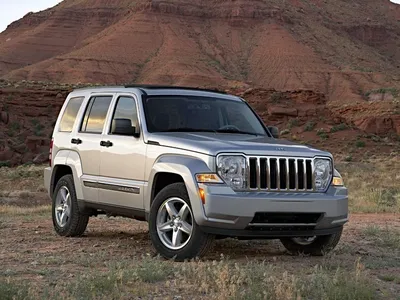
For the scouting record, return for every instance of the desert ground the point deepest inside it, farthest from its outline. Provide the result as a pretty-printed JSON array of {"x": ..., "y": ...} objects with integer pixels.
[{"x": 115, "y": 259}]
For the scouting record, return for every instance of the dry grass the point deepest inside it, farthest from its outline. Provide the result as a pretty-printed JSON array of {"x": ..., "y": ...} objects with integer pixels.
[
  {"x": 373, "y": 186},
  {"x": 383, "y": 236},
  {"x": 27, "y": 178},
  {"x": 11, "y": 210},
  {"x": 224, "y": 279}
]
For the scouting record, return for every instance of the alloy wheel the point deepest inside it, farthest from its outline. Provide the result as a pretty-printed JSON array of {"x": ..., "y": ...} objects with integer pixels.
[
  {"x": 174, "y": 223},
  {"x": 63, "y": 206}
]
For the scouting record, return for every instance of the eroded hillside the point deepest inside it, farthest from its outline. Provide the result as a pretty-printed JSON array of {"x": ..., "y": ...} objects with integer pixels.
[
  {"x": 285, "y": 54},
  {"x": 28, "y": 111}
]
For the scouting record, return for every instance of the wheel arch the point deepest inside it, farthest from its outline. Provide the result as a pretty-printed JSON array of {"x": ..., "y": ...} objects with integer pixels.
[
  {"x": 177, "y": 168},
  {"x": 161, "y": 180},
  {"x": 67, "y": 162}
]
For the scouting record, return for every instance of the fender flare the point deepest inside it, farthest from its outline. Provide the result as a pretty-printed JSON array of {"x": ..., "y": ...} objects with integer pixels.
[
  {"x": 186, "y": 167},
  {"x": 72, "y": 160}
]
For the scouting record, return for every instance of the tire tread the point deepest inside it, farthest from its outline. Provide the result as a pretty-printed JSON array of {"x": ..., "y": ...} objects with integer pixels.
[
  {"x": 78, "y": 219},
  {"x": 321, "y": 246},
  {"x": 201, "y": 242}
]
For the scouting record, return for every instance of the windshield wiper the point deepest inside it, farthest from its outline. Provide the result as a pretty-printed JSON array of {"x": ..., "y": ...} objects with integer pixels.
[
  {"x": 235, "y": 131},
  {"x": 185, "y": 129}
]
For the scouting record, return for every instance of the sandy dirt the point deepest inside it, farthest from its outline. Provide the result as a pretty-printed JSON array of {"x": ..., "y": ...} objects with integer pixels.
[{"x": 30, "y": 249}]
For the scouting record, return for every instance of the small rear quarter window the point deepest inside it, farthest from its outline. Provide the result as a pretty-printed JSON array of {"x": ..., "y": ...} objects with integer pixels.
[{"x": 70, "y": 113}]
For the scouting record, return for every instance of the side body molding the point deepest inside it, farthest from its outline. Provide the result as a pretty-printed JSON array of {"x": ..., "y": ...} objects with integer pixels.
[{"x": 185, "y": 166}]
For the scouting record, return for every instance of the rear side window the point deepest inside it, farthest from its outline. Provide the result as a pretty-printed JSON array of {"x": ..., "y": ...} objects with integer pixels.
[
  {"x": 70, "y": 113},
  {"x": 95, "y": 115}
]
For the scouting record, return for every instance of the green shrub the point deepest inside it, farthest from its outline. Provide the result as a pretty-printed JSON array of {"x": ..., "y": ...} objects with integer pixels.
[
  {"x": 394, "y": 91},
  {"x": 348, "y": 158},
  {"x": 15, "y": 126},
  {"x": 6, "y": 163},
  {"x": 310, "y": 126},
  {"x": 360, "y": 144},
  {"x": 277, "y": 97},
  {"x": 322, "y": 134},
  {"x": 37, "y": 127},
  {"x": 293, "y": 123},
  {"x": 339, "y": 127}
]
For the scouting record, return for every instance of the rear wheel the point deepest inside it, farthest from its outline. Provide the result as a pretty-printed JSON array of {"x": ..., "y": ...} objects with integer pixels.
[
  {"x": 315, "y": 245},
  {"x": 68, "y": 220},
  {"x": 173, "y": 230}
]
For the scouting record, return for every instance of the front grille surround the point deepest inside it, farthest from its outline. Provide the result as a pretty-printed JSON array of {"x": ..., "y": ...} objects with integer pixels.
[{"x": 281, "y": 174}]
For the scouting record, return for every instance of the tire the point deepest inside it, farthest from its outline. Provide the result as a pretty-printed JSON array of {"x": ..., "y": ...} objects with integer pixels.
[
  {"x": 75, "y": 223},
  {"x": 320, "y": 246},
  {"x": 195, "y": 245}
]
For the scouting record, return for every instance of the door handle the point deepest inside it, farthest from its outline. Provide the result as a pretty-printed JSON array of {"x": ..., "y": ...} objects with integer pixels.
[
  {"x": 106, "y": 144},
  {"x": 76, "y": 141}
]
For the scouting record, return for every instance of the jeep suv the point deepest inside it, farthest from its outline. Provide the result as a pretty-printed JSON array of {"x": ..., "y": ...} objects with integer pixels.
[{"x": 196, "y": 165}]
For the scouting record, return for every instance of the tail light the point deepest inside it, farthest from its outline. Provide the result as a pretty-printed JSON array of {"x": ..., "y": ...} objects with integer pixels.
[{"x": 50, "y": 152}]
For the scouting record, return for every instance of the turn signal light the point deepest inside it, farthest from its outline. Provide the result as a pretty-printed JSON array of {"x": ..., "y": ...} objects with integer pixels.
[
  {"x": 208, "y": 178},
  {"x": 337, "y": 181},
  {"x": 202, "y": 195}
]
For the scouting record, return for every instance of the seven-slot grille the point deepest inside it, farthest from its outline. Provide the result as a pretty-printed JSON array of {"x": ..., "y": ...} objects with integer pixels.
[{"x": 280, "y": 174}]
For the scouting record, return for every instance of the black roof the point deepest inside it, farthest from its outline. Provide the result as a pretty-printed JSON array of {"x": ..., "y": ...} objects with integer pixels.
[{"x": 171, "y": 87}]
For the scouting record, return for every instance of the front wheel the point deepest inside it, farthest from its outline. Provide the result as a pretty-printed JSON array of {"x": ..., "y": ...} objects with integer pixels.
[
  {"x": 173, "y": 230},
  {"x": 316, "y": 245}
]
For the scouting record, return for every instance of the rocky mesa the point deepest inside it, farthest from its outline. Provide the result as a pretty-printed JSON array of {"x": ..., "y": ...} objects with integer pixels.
[{"x": 287, "y": 53}]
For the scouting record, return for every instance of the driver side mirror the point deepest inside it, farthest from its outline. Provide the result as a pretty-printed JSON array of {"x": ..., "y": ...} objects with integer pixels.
[
  {"x": 274, "y": 131},
  {"x": 124, "y": 127}
]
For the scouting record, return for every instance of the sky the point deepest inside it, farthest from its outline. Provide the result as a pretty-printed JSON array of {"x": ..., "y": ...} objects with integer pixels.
[{"x": 12, "y": 10}]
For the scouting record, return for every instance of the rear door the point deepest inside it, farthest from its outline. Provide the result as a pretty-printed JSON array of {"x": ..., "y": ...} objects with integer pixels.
[
  {"x": 86, "y": 141},
  {"x": 122, "y": 159}
]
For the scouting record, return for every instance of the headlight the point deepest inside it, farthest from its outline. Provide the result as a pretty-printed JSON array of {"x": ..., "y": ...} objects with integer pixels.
[
  {"x": 322, "y": 173},
  {"x": 232, "y": 170}
]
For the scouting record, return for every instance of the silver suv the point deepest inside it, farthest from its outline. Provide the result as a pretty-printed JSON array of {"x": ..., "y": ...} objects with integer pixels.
[{"x": 196, "y": 165}]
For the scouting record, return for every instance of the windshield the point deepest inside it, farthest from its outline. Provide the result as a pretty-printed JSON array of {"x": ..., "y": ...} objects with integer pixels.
[{"x": 200, "y": 114}]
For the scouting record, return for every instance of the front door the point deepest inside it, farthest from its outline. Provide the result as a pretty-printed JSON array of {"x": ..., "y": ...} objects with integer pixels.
[{"x": 122, "y": 160}]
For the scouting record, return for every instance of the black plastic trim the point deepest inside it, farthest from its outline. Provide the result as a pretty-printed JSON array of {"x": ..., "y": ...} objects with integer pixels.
[
  {"x": 112, "y": 187},
  {"x": 153, "y": 143},
  {"x": 269, "y": 233},
  {"x": 113, "y": 210}
]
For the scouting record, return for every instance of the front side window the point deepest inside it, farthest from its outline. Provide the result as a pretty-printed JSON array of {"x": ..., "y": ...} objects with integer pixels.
[
  {"x": 95, "y": 114},
  {"x": 200, "y": 114},
  {"x": 126, "y": 110},
  {"x": 70, "y": 113}
]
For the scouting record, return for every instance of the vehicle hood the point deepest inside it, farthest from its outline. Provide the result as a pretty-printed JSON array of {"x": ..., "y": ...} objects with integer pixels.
[{"x": 215, "y": 143}]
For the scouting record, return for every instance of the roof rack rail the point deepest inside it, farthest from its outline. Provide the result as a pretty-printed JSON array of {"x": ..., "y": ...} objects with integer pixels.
[{"x": 149, "y": 86}]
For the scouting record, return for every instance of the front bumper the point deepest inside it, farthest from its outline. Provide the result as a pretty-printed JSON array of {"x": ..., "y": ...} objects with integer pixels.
[{"x": 229, "y": 213}]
